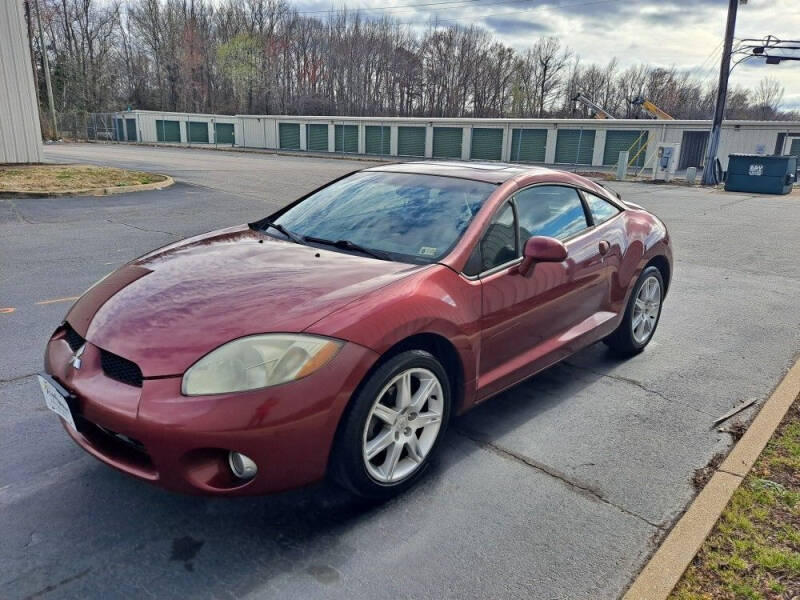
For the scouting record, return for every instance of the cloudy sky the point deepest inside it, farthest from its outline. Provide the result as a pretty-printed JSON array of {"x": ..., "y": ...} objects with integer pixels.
[{"x": 686, "y": 34}]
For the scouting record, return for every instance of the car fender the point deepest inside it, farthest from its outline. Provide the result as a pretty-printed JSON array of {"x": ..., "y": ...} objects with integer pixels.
[
  {"x": 434, "y": 301},
  {"x": 647, "y": 244}
]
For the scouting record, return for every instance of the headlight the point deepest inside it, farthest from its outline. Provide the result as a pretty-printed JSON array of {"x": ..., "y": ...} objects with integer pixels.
[{"x": 258, "y": 361}]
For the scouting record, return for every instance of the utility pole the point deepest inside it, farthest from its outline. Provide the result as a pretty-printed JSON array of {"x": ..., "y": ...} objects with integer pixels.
[
  {"x": 709, "y": 175},
  {"x": 29, "y": 26},
  {"x": 46, "y": 70}
]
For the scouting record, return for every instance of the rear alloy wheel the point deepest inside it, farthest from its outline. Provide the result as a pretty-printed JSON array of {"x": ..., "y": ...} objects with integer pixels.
[
  {"x": 646, "y": 308},
  {"x": 641, "y": 315},
  {"x": 393, "y": 426}
]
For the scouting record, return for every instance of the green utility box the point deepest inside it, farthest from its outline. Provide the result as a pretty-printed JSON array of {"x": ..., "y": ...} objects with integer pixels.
[{"x": 761, "y": 174}]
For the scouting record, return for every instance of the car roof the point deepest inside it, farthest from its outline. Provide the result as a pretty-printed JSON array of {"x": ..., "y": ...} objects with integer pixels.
[{"x": 487, "y": 172}]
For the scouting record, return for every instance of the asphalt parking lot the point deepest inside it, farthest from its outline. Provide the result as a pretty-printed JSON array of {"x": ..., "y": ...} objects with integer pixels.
[{"x": 559, "y": 488}]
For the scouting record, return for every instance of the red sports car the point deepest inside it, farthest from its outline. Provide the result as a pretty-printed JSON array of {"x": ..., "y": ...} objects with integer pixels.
[{"x": 339, "y": 335}]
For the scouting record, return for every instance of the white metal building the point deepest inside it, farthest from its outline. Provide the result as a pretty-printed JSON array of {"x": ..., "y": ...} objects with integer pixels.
[
  {"x": 20, "y": 135},
  {"x": 584, "y": 142}
]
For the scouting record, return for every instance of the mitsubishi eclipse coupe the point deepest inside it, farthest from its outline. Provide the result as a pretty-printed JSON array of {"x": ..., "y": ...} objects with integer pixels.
[{"x": 339, "y": 335}]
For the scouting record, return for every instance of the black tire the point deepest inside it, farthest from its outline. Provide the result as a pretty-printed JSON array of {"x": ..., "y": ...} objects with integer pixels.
[
  {"x": 347, "y": 465},
  {"x": 622, "y": 339}
]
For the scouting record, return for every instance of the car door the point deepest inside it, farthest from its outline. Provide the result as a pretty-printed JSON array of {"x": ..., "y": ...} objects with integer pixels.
[
  {"x": 609, "y": 232},
  {"x": 531, "y": 321}
]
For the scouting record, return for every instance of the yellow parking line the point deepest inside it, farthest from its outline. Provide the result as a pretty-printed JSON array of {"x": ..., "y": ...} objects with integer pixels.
[
  {"x": 54, "y": 300},
  {"x": 4, "y": 311}
]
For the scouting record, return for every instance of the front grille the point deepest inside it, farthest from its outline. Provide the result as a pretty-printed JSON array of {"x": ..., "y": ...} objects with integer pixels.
[
  {"x": 121, "y": 369},
  {"x": 114, "y": 366},
  {"x": 73, "y": 338}
]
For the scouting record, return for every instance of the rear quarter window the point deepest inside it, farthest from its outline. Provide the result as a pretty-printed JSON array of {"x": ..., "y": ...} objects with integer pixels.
[{"x": 602, "y": 210}]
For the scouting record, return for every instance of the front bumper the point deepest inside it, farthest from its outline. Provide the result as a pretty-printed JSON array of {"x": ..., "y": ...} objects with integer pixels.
[{"x": 181, "y": 443}]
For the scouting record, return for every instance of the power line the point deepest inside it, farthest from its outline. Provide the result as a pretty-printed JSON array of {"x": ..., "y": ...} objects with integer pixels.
[{"x": 703, "y": 68}]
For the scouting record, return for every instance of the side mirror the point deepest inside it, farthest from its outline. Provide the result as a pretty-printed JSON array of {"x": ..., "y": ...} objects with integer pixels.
[{"x": 541, "y": 249}]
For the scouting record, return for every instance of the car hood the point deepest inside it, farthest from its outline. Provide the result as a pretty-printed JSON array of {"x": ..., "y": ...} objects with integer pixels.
[{"x": 170, "y": 307}]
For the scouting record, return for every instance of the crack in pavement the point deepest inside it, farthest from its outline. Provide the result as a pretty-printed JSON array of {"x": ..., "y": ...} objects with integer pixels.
[
  {"x": 584, "y": 490},
  {"x": 50, "y": 588},
  {"x": 17, "y": 378},
  {"x": 641, "y": 386},
  {"x": 139, "y": 228}
]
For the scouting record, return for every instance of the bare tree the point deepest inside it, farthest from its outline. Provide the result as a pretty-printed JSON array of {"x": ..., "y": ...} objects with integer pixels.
[
  {"x": 261, "y": 56},
  {"x": 767, "y": 98}
]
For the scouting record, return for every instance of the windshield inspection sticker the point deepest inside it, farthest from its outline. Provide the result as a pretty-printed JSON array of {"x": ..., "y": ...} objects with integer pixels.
[{"x": 427, "y": 251}]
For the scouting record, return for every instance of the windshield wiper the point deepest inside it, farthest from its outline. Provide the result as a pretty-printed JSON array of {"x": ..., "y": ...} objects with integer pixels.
[
  {"x": 349, "y": 245},
  {"x": 292, "y": 236}
]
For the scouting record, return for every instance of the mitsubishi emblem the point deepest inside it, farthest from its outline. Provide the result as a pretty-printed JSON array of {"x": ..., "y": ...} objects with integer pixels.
[{"x": 75, "y": 359}]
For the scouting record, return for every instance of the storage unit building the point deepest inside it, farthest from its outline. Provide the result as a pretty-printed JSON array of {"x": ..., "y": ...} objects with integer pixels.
[
  {"x": 573, "y": 142},
  {"x": 20, "y": 135}
]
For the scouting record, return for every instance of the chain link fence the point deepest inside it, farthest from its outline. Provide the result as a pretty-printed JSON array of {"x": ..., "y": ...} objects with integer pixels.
[{"x": 83, "y": 126}]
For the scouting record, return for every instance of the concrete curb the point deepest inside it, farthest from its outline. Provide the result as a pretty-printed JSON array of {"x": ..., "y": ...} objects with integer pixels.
[
  {"x": 102, "y": 191},
  {"x": 662, "y": 573}
]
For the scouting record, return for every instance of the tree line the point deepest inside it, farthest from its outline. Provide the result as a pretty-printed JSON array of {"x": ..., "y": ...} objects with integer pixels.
[{"x": 264, "y": 57}]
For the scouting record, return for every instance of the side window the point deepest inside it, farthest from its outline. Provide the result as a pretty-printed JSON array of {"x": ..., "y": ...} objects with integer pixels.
[
  {"x": 550, "y": 210},
  {"x": 499, "y": 244},
  {"x": 602, "y": 210}
]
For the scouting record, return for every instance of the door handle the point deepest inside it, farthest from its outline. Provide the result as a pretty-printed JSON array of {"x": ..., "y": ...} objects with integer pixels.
[{"x": 603, "y": 247}]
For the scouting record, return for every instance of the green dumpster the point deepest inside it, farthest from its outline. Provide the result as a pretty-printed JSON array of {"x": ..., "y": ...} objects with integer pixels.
[{"x": 761, "y": 174}]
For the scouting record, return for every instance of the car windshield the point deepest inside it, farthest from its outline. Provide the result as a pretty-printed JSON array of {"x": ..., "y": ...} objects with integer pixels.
[{"x": 404, "y": 216}]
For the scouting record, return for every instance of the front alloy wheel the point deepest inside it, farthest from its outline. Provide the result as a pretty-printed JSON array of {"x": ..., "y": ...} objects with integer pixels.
[
  {"x": 403, "y": 425},
  {"x": 393, "y": 426}
]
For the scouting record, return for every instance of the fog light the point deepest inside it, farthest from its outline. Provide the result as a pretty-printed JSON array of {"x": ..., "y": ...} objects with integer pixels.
[{"x": 242, "y": 466}]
